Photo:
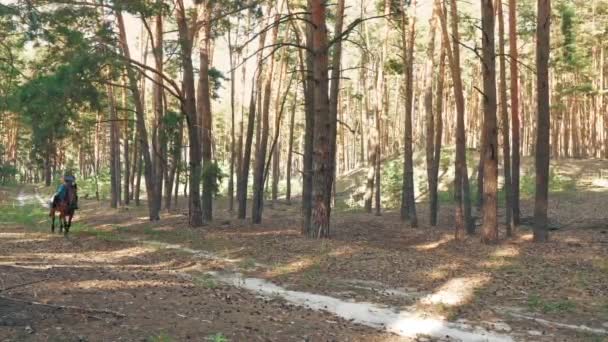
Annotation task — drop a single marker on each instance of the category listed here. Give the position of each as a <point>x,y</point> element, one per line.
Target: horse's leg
<point>67,228</point>
<point>61,221</point>
<point>52,220</point>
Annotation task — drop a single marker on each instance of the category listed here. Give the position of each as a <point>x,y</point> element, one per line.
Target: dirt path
<point>174,284</point>
<point>147,288</point>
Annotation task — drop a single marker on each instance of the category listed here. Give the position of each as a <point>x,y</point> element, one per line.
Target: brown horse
<point>65,208</point>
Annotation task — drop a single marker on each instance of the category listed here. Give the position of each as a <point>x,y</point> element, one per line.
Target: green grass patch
<point>30,216</point>
<point>218,337</point>
<point>161,337</point>
<point>247,264</point>
<point>539,304</point>
<point>205,281</point>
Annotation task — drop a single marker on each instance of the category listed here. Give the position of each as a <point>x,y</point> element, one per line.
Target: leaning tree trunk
<point>543,25</point>
<point>195,216</point>
<point>141,124</point>
<point>260,158</point>
<point>246,162</point>
<point>490,150</point>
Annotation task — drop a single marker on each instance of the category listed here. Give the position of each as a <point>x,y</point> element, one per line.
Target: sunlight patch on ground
<point>403,323</point>
<point>456,291</point>
<point>525,237</point>
<point>432,245</point>
<point>600,183</point>
<point>96,256</point>
<point>265,233</point>
<point>292,267</point>
<point>121,284</point>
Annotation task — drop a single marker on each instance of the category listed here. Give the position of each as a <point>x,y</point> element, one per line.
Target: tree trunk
<point>514,110</point>
<point>141,124</point>
<point>408,202</point>
<point>543,24</point>
<point>232,128</point>
<point>490,154</point>
<point>260,159</point>
<point>504,114</point>
<point>430,118</point>
<point>186,37</point>
<point>438,135</point>
<point>158,134</point>
<point>114,151</point>
<point>322,172</point>
<point>309,133</point>
<point>463,204</point>
<point>204,112</point>
<point>246,162</point>
<point>290,151</point>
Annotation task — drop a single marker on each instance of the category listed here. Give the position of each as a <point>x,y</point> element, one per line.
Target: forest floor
<point>163,281</point>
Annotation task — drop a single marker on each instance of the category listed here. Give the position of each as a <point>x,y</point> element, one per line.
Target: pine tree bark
<point>260,158</point>
<point>334,94</point>
<point>490,160</point>
<point>186,39</point>
<point>232,123</point>
<point>141,124</point>
<point>543,26</point>
<point>320,223</point>
<point>290,151</point>
<point>114,151</point>
<point>514,79</point>
<point>158,140</point>
<point>430,118</point>
<point>408,202</point>
<point>463,203</point>
<point>504,114</point>
<point>246,162</point>
<point>204,111</point>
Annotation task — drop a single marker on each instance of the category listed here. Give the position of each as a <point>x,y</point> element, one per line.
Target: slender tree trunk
<point>158,134</point>
<point>490,160</point>
<point>408,202</point>
<point>204,112</point>
<point>260,159</point>
<point>438,136</point>
<point>309,134</point>
<point>126,136</point>
<point>334,94</point>
<point>543,24</point>
<point>513,57</point>
<point>114,172</point>
<point>463,204</point>
<point>290,151</point>
<point>504,114</point>
<point>322,172</point>
<point>430,119</point>
<point>244,178</point>
<point>141,124</point>
<point>232,128</point>
<point>186,35</point>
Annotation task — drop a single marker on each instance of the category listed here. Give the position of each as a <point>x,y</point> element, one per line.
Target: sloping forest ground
<point>155,274</point>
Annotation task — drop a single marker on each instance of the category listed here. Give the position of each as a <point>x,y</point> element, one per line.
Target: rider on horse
<point>67,184</point>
